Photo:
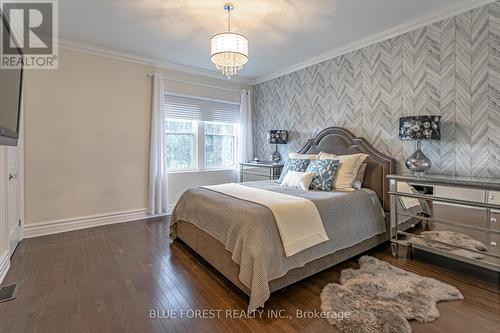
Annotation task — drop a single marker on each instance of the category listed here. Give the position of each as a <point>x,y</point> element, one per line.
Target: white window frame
<point>195,134</point>
<point>236,135</point>
<point>199,148</point>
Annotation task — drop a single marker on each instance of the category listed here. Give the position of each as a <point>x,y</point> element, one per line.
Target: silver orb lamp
<point>277,137</point>
<point>419,128</point>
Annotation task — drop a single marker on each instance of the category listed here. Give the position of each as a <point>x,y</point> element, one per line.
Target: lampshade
<point>420,128</point>
<point>229,52</point>
<point>277,137</point>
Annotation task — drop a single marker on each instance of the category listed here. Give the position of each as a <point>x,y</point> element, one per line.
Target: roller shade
<point>200,108</point>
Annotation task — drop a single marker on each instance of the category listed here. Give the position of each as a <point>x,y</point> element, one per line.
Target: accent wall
<point>449,68</point>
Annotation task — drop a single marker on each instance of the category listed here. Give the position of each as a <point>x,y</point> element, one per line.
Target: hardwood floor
<point>107,279</point>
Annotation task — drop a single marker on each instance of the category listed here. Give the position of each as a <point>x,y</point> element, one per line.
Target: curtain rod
<point>196,83</point>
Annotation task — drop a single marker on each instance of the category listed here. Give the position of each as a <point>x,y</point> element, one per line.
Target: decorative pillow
<point>347,170</point>
<point>324,171</point>
<point>300,180</point>
<point>293,165</point>
<point>358,182</point>
<point>298,156</point>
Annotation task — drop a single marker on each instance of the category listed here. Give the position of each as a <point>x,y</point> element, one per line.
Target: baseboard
<point>76,223</point>
<point>4,265</point>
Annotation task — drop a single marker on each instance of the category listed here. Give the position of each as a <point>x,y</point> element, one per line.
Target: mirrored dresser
<point>450,217</point>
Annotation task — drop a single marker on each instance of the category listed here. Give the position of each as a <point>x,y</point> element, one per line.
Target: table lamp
<point>277,137</point>
<point>419,128</point>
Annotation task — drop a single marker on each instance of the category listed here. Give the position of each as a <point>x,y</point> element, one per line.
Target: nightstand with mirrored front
<point>255,171</point>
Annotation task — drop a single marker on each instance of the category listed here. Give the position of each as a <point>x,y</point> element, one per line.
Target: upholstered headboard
<point>339,141</point>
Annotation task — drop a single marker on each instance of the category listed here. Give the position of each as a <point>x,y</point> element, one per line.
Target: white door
<point>13,198</point>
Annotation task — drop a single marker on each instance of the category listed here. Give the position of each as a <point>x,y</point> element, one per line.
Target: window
<point>220,145</point>
<point>180,144</point>
<point>200,133</point>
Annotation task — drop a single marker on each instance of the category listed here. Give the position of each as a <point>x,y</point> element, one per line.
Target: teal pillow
<point>293,165</point>
<point>325,173</point>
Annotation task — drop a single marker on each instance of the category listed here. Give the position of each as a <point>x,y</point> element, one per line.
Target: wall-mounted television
<point>11,82</point>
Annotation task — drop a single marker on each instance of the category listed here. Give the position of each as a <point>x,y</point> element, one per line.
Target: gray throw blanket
<point>249,232</point>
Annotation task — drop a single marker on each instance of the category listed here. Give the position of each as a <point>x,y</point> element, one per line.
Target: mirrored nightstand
<point>255,171</point>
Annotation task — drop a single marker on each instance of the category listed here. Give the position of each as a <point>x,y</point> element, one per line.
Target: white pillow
<point>300,180</point>
<point>347,170</point>
<point>298,156</point>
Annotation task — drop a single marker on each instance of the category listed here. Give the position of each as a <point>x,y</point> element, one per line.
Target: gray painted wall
<point>450,68</point>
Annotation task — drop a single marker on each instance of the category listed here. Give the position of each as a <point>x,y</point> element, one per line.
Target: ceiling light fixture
<point>229,50</point>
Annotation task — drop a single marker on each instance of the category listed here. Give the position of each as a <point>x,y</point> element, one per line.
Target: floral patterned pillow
<point>293,165</point>
<point>325,173</point>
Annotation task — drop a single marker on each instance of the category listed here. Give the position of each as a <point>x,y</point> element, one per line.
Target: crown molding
<point>356,45</point>
<point>134,58</point>
<point>375,38</point>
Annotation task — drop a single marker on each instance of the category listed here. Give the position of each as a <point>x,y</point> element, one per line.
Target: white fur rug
<point>382,298</point>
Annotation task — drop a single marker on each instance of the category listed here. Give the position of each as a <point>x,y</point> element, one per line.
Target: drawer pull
<point>493,220</point>
<point>493,243</point>
<point>492,197</point>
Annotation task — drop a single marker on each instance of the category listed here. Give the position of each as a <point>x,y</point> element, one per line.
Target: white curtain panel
<point>157,199</point>
<point>246,135</point>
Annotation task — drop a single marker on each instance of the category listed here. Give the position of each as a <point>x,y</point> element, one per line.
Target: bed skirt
<point>214,252</point>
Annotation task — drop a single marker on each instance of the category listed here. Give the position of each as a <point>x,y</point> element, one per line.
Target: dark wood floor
<point>107,279</point>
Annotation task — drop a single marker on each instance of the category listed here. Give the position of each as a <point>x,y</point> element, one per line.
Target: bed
<point>240,239</point>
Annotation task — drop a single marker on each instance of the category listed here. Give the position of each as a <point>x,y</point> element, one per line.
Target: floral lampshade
<point>420,128</point>
<point>277,137</point>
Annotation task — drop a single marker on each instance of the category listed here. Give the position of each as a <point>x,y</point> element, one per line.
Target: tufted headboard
<point>339,141</point>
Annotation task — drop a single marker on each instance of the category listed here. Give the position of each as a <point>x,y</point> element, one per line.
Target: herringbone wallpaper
<point>450,68</point>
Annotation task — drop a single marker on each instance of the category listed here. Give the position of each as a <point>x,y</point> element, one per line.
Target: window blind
<point>200,108</point>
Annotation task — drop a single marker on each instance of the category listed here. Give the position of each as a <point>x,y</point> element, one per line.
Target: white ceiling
<point>281,33</point>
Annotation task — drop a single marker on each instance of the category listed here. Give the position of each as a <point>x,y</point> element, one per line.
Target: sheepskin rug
<point>379,297</point>
<point>450,237</point>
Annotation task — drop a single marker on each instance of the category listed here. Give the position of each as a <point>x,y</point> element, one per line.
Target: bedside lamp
<point>418,128</point>
<point>277,137</point>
